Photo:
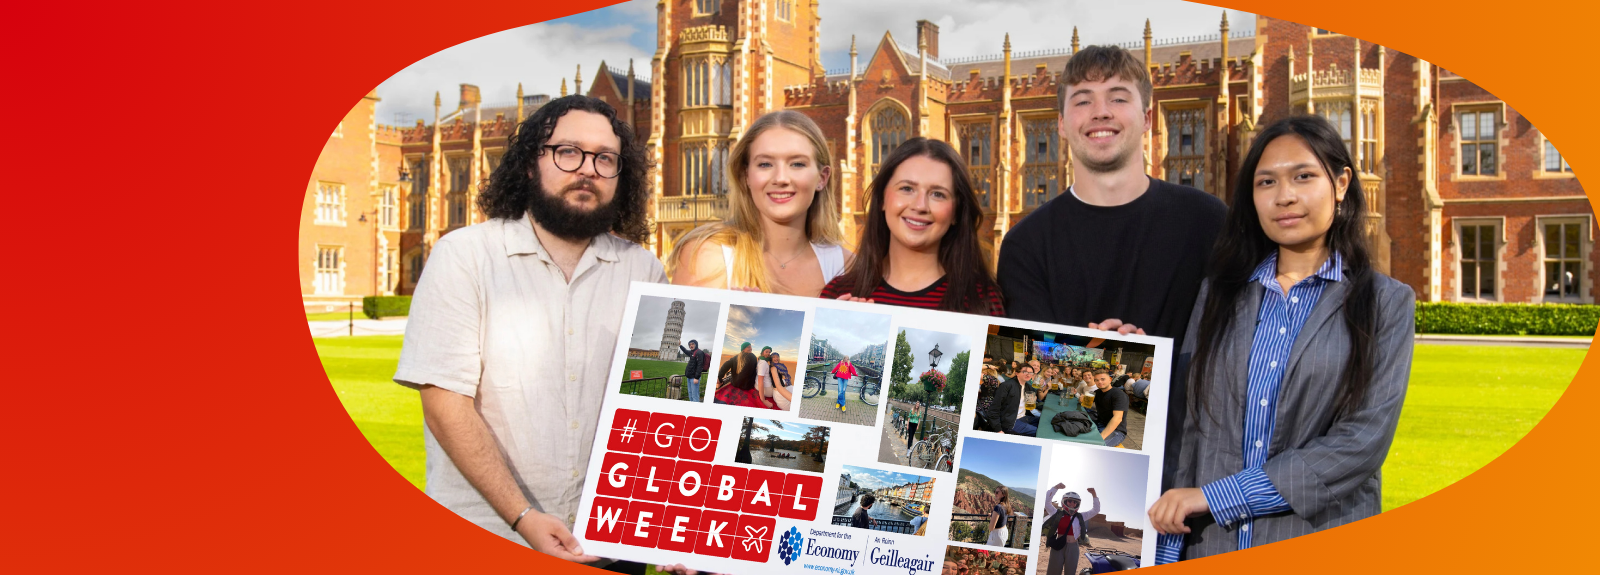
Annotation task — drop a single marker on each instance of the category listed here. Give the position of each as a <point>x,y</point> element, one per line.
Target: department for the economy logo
<point>789,545</point>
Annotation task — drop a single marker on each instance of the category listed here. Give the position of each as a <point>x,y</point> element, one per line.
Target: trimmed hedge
<point>1507,318</point>
<point>379,307</point>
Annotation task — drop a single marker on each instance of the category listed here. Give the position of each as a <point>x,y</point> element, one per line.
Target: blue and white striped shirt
<point>1236,499</point>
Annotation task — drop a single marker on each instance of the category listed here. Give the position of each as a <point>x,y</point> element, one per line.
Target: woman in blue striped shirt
<point>1298,355</point>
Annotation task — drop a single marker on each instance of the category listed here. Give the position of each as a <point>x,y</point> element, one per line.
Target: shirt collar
<point>521,240</point>
<point>1266,274</point>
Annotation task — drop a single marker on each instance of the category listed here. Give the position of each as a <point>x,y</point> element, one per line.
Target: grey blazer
<point>1327,468</point>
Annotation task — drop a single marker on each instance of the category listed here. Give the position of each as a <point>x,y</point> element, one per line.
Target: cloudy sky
<point>1014,465</point>
<point>922,342</point>
<point>870,478</point>
<point>784,429</point>
<point>849,331</point>
<point>541,55</point>
<point>779,328</point>
<point>1118,477</point>
<point>699,322</point>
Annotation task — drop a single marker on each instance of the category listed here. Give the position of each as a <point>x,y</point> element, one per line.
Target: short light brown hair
<point>1099,63</point>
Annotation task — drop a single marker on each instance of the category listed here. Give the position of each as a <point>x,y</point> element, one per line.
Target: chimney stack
<point>469,96</point>
<point>929,32</point>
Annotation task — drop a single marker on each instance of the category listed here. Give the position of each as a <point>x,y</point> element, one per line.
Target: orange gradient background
<point>165,406</point>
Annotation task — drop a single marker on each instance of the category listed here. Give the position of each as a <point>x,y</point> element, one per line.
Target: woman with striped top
<point>920,246</point>
<point>1299,354</point>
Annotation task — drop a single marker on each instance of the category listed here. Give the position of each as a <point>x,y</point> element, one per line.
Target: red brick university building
<point>1467,199</point>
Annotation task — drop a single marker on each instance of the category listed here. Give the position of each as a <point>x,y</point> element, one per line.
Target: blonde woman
<point>781,234</point>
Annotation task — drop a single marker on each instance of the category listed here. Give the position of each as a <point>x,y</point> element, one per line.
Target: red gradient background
<point>166,408</point>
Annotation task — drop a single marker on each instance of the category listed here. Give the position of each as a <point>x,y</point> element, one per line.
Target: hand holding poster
<point>897,451</point>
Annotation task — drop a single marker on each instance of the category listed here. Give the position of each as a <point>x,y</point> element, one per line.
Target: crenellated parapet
<point>1188,70</point>
<point>707,33</point>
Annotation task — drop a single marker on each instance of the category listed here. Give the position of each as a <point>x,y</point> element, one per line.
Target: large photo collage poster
<point>744,428</point>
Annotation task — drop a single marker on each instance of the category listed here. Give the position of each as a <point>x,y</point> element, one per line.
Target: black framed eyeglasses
<point>570,158</point>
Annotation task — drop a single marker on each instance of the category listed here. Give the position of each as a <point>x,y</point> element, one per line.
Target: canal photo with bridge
<point>849,346</point>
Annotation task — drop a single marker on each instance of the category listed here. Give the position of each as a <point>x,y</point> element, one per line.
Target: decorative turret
<point>1147,46</point>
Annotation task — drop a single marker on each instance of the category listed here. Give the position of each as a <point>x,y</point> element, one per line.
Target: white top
<point>494,318</point>
<point>762,371</point>
<point>829,258</point>
<point>1022,402</point>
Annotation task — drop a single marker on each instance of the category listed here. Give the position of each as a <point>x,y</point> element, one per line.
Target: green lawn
<point>332,316</point>
<point>1466,405</point>
<point>653,368</point>
<point>362,371</point>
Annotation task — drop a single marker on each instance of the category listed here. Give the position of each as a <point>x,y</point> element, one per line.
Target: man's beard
<point>1116,162</point>
<point>556,217</point>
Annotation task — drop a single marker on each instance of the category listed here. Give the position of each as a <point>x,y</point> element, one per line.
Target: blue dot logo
<point>789,545</point>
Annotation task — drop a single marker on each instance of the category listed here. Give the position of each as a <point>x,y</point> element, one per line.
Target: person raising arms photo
<point>782,230</point>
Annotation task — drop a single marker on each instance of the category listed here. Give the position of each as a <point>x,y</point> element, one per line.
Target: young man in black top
<point>699,363</point>
<point>1121,251</point>
<point>1111,409</point>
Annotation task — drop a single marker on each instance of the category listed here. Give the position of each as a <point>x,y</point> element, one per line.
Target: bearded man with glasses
<point>514,321</point>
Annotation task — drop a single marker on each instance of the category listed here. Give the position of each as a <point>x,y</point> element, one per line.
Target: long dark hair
<point>508,192</point>
<point>967,271</point>
<point>1243,245</point>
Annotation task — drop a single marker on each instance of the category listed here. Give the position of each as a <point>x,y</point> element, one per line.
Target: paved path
<point>826,407</point>
<point>1573,343</point>
<point>363,326</point>
<point>892,447</point>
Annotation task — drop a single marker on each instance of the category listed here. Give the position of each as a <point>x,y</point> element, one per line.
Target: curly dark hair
<point>506,194</point>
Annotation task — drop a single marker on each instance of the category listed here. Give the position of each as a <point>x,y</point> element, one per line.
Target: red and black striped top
<point>925,298</point>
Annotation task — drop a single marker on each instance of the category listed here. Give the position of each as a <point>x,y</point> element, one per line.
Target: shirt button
<point>1273,364</point>
<point>572,377</point>
<point>1245,528</point>
<point>572,518</point>
<point>1283,330</point>
<point>1295,299</point>
<point>573,425</point>
<point>1258,445</point>
<point>575,472</point>
<point>1263,402</point>
<point>1241,517</point>
<point>569,331</point>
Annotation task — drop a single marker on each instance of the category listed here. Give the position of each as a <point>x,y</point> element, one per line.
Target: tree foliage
<point>900,373</point>
<point>956,384</point>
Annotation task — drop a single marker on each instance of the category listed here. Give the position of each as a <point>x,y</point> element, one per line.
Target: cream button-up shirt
<point>494,318</point>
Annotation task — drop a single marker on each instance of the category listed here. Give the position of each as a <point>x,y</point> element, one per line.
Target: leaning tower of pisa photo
<point>672,333</point>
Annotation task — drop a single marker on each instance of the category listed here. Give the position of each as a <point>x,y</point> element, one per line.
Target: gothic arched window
<point>889,129</point>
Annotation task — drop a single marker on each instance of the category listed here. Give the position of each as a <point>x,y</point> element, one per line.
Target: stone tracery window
<point>1041,160</point>
<point>1185,162</point>
<point>976,139</point>
<point>889,129</point>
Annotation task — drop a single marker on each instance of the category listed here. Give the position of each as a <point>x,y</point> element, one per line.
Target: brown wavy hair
<point>967,270</point>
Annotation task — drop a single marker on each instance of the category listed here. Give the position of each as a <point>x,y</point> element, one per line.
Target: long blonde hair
<point>741,230</point>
